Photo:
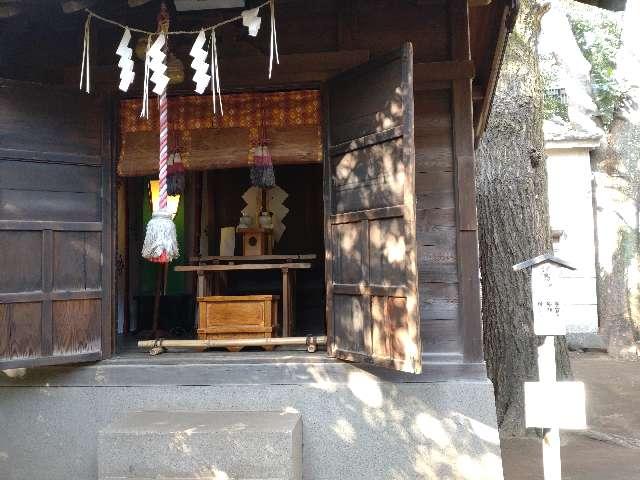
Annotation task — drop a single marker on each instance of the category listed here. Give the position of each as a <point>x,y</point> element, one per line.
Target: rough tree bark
<point>514,220</point>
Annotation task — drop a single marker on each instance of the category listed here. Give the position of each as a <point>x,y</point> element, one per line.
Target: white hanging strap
<point>274,38</point>
<point>145,86</point>
<point>86,57</point>
<point>215,74</point>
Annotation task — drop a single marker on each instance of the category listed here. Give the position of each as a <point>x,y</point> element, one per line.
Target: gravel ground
<point>610,449</point>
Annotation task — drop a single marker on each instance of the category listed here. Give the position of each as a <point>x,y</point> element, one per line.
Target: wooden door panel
<point>76,261</point>
<point>26,275</point>
<point>372,293</point>
<point>20,330</point>
<point>55,200</point>
<point>75,331</point>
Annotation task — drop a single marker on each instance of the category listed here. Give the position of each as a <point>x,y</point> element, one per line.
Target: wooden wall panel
<point>27,110</point>
<point>24,275</point>
<point>49,206</point>
<point>436,222</point>
<point>351,337</point>
<point>55,226</point>
<point>76,327</point>
<point>369,178</point>
<point>44,176</point>
<point>383,104</point>
<point>20,330</point>
<point>76,261</point>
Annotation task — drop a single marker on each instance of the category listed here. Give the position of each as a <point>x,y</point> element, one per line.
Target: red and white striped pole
<point>164,135</point>
<point>163,26</point>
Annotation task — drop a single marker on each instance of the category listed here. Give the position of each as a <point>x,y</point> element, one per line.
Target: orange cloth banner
<point>277,111</point>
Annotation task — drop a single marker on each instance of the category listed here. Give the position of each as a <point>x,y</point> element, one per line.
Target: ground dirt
<point>610,449</point>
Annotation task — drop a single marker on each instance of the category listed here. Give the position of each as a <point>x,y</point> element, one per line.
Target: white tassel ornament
<point>160,240</point>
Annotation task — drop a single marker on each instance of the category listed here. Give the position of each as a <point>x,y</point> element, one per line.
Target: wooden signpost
<point>549,404</point>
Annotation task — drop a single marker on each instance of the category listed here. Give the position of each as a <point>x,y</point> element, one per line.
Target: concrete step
<point>211,445</point>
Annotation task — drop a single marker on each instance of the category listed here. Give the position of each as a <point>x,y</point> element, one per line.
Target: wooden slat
<point>49,177</point>
<point>372,214</point>
<point>252,258</point>
<point>252,266</point>
<point>376,290</point>
<point>366,141</point>
<point>50,225</point>
<point>47,286</point>
<point>58,157</point>
<point>49,206</point>
<point>51,360</point>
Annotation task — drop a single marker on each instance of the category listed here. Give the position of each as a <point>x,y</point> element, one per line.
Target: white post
<point>551,439</point>
<point>550,404</point>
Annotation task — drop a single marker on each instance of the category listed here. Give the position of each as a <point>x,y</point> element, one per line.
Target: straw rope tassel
<point>85,69</point>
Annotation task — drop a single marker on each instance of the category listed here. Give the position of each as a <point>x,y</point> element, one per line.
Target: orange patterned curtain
<point>292,121</point>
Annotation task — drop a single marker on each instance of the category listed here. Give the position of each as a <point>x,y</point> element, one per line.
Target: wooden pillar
<point>470,326</point>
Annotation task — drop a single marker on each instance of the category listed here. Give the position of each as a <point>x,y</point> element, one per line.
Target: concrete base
<point>358,423</point>
<point>202,445</point>
<point>584,340</point>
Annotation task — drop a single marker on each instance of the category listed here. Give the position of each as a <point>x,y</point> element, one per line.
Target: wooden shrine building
<point>371,114</point>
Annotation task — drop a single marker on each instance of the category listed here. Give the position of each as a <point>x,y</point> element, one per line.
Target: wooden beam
<point>438,71</point>
<point>247,72</point>
<point>496,62</point>
<point>470,320</point>
<point>251,266</point>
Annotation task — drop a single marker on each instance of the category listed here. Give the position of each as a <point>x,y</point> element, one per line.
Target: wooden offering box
<point>247,316</point>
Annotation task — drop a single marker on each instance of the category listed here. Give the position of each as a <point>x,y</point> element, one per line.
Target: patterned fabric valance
<point>292,121</point>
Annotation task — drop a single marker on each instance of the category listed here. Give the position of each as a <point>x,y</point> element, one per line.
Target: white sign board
<point>555,405</point>
<point>547,319</point>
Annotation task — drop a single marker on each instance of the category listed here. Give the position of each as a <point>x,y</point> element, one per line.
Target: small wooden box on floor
<point>246,316</point>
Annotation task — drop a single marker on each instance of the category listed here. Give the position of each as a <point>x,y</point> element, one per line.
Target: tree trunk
<point>616,166</point>
<point>514,220</point>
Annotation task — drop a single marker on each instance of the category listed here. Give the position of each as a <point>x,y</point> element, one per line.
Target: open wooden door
<point>55,226</point>
<point>371,258</point>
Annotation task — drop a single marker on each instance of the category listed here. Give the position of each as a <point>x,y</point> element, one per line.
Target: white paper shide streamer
<point>215,74</point>
<point>157,65</point>
<point>199,63</point>
<point>126,62</point>
<point>252,21</point>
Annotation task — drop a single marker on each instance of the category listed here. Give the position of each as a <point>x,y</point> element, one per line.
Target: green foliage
<point>599,38</point>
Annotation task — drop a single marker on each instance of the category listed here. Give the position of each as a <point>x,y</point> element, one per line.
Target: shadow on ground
<point>613,415</point>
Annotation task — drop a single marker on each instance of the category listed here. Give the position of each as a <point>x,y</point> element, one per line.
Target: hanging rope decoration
<point>160,241</point>
<point>155,62</point>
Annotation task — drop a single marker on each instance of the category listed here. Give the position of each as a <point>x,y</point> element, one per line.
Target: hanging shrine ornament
<point>199,63</point>
<point>157,64</point>
<point>126,62</point>
<point>156,60</point>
